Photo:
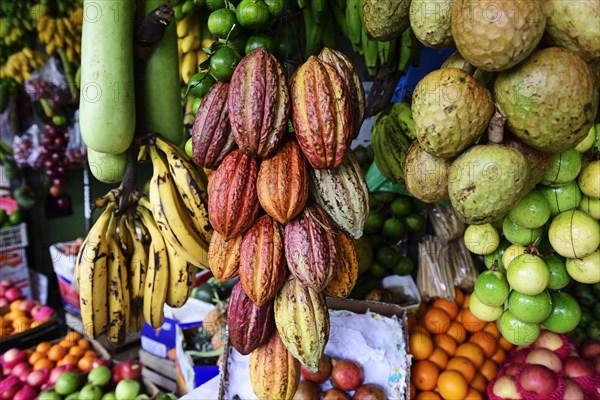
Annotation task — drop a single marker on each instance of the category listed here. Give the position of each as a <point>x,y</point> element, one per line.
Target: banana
<point>383,49</point>
<point>138,263</point>
<point>157,275</point>
<point>186,43</point>
<point>192,185</point>
<point>409,50</point>
<point>185,25</point>
<point>189,66</point>
<point>171,215</point>
<point>370,52</point>
<point>354,21</point>
<point>91,270</point>
<point>317,7</point>
<point>60,27</point>
<point>118,287</point>
<point>180,278</point>
<point>125,239</point>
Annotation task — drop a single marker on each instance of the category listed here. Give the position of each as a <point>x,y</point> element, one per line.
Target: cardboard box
<point>355,306</point>
<point>64,267</point>
<point>404,286</point>
<point>193,375</point>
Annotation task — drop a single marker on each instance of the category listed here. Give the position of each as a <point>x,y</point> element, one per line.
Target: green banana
<point>403,115</point>
<point>383,50</point>
<point>354,22</point>
<point>409,50</point>
<point>370,52</point>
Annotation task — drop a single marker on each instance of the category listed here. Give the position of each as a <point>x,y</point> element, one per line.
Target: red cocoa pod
<point>345,272</point>
<point>212,138</point>
<point>232,199</point>
<point>224,256</point>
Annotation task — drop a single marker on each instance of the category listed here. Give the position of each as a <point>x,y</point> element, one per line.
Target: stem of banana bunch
<point>129,181</point>
<point>68,72</point>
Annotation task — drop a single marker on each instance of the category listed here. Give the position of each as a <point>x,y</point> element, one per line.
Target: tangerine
<point>77,351</point>
<point>90,353</point>
<point>489,369</point>
<point>83,344</point>
<point>457,332</point>
<point>452,385</point>
<point>73,336</point>
<point>56,352</point>
<point>446,343</point>
<point>35,356</point>
<point>43,363</point>
<point>85,363</point>
<point>428,395</point>
<point>436,320</point>
<point>479,383</point>
<point>439,357</point>
<point>424,375</point>
<point>448,306</point>
<point>470,321</point>
<point>486,341</point>
<point>420,345</point>
<point>473,395</point>
<point>43,347</point>
<point>69,359</point>
<point>466,301</point>
<point>473,352</point>
<point>459,297</point>
<point>493,330</point>
<point>67,344</point>
<point>505,344</point>
<point>464,366</point>
<point>499,356</point>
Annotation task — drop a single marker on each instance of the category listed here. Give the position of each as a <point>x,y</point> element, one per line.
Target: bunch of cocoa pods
<point>285,205</point>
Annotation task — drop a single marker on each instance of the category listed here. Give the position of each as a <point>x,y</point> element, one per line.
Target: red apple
<point>538,379</point>
<point>369,392</point>
<point>590,349</point>
<point>506,388</point>
<point>549,340</point>
<point>576,367</point>
<point>321,375</point>
<point>545,357</point>
<point>307,390</point>
<point>336,394</point>
<point>572,391</point>
<point>346,374</point>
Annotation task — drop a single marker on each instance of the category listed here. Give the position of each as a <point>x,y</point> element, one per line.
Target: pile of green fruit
<point>551,236</point>
<point>7,220</point>
<point>588,297</point>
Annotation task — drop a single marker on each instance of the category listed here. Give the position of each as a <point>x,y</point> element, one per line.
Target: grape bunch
<point>22,150</point>
<point>54,159</point>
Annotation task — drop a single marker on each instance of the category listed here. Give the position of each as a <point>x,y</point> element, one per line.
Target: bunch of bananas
<point>183,8</point>
<point>192,37</point>
<point>319,28</point>
<point>62,33</point>
<point>18,19</point>
<point>133,263</point>
<point>21,64</point>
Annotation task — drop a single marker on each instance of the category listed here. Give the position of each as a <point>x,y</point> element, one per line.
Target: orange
<point>413,390</point>
<point>489,369</point>
<point>487,342</point>
<point>67,344</point>
<point>420,345</point>
<point>84,344</point>
<point>85,363</point>
<point>505,344</point>
<point>420,328</point>
<point>436,320</point>
<point>466,301</point>
<point>5,330</point>
<point>464,366</point>
<point>19,327</point>
<point>471,322</point>
<point>499,356</point>
<point>457,332</point>
<point>43,363</point>
<point>479,383</point>
<point>14,305</point>
<point>69,359</point>
<point>472,352</point>
<point>56,352</point>
<point>493,330</point>
<point>459,297</point>
<point>76,351</point>
<point>448,306</point>
<point>428,395</point>
<point>446,343</point>
<point>473,395</point>
<point>90,353</point>
<point>439,357</point>
<point>411,321</point>
<point>424,375</point>
<point>11,316</point>
<point>43,347</point>
<point>73,336</point>
<point>35,356</point>
<point>26,321</point>
<point>452,385</point>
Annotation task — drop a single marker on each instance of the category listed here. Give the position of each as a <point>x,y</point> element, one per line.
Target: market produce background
<point>420,154</point>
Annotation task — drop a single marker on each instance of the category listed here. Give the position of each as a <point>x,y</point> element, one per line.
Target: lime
<point>258,40</point>
<point>565,314</point>
<point>276,7</point>
<point>223,63</point>
<point>414,222</point>
<point>189,148</point>
<point>585,295</point>
<point>419,205</point>
<point>484,312</point>
<point>492,288</point>
<point>67,383</point>
<point>517,234</point>
<point>200,83</point>
<point>393,228</point>
<point>3,216</point>
<point>239,42</point>
<point>15,217</point>
<point>196,105</point>
<point>578,335</point>
<point>528,274</point>
<point>253,14</point>
<point>374,222</point>
<point>401,206</point>
<point>383,197</point>
<point>532,211</point>
<point>496,256</point>
<point>376,270</point>
<point>481,239</point>
<point>593,330</point>
<point>221,22</point>
<point>215,4</point>
<point>387,257</point>
<point>532,309</point>
<point>516,331</point>
<point>376,241</point>
<point>364,254</point>
<point>404,266</point>
<point>559,277</point>
<point>586,318</point>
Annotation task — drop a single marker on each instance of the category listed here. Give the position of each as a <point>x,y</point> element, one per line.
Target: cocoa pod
<point>274,372</point>
<point>302,320</point>
<point>262,261</point>
<point>310,247</point>
<point>283,182</point>
<point>356,90</point>
<point>321,116</point>
<point>224,256</point>
<point>249,325</point>
<point>343,194</point>
<point>345,272</point>
<point>212,138</point>
<point>232,199</point>
<point>259,103</point>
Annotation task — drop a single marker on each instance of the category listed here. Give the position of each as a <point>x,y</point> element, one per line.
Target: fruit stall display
<point>18,314</point>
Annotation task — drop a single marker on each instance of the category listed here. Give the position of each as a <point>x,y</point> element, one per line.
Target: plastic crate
<point>13,238</point>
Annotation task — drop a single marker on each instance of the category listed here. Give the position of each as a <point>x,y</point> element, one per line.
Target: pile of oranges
<point>17,321</point>
<point>72,350</point>
<point>455,354</point>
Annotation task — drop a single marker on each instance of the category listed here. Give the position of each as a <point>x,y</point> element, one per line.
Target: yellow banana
<point>185,25</point>
<point>180,278</point>
<point>186,44</point>
<point>201,56</point>
<point>91,270</point>
<point>69,26</point>
<point>28,53</point>
<point>188,66</point>
<point>60,27</point>
<point>118,287</point>
<point>137,271</point>
<point>157,275</point>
